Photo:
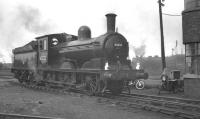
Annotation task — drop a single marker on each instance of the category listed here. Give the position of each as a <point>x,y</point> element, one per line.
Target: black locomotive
<point>67,61</point>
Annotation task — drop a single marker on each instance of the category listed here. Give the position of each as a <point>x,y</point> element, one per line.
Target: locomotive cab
<point>48,48</point>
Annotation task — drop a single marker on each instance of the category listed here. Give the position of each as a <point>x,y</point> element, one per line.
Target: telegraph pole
<point>160,3</point>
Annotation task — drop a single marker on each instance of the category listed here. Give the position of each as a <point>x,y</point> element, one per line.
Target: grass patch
<point>5,73</point>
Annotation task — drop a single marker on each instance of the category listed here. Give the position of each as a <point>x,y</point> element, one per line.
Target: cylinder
<point>111,22</point>
<point>191,39</point>
<point>190,21</point>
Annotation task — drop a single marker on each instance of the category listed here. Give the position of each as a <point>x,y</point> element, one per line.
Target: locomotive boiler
<point>67,60</point>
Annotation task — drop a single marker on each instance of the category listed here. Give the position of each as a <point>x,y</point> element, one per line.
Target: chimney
<point>110,22</point>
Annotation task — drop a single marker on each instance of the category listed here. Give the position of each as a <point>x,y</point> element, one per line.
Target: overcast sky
<point>137,20</point>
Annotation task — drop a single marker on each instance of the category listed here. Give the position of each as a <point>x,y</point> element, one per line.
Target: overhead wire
<point>174,15</point>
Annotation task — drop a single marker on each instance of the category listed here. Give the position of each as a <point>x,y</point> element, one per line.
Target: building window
<point>192,58</point>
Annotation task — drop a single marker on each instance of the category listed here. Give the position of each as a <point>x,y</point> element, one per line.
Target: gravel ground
<point>16,99</point>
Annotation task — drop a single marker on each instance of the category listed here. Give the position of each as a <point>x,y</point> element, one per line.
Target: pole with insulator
<point>160,3</point>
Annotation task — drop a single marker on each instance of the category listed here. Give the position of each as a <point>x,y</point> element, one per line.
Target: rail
<point>19,116</point>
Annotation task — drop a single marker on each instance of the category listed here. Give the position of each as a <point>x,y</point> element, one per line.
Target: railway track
<point>178,107</point>
<point>174,108</point>
<point>189,101</point>
<point>176,103</point>
<point>18,116</point>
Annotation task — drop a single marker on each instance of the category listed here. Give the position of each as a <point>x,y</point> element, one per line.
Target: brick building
<point>191,40</point>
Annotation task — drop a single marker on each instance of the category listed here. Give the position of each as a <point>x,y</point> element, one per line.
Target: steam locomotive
<point>69,61</point>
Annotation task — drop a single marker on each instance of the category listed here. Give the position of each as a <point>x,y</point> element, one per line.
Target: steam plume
<point>31,20</point>
<point>19,25</point>
<point>140,51</point>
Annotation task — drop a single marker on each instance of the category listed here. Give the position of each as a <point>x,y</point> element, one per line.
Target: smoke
<point>31,20</point>
<point>19,25</point>
<point>140,51</point>
<point>1,58</point>
<point>141,21</point>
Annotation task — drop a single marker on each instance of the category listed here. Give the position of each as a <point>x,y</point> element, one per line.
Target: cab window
<point>43,44</point>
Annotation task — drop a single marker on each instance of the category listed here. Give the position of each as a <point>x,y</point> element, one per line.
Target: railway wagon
<point>70,61</point>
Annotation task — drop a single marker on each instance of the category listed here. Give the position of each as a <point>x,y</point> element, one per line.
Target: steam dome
<point>84,32</point>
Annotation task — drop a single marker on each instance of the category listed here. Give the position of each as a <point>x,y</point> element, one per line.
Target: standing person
<point>164,75</point>
<point>164,79</point>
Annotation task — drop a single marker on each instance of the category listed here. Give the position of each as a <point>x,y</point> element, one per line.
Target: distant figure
<point>164,76</point>
<point>119,67</point>
<point>138,66</point>
<point>164,80</point>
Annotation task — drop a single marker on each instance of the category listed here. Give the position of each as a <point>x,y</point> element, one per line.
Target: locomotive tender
<point>67,61</point>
